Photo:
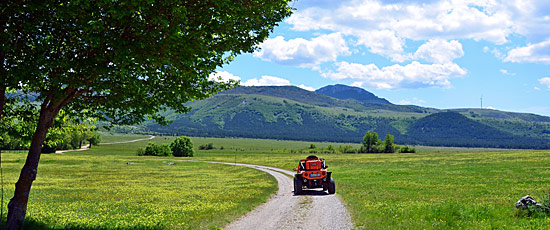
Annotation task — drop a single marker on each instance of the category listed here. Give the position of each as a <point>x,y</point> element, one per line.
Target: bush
<point>208,146</point>
<point>347,149</point>
<point>182,147</point>
<point>407,149</point>
<point>154,150</point>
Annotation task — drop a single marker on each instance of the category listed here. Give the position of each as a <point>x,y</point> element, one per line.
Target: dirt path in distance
<point>314,210</point>
<point>85,147</point>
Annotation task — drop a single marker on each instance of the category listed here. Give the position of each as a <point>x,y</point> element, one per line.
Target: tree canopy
<point>121,61</point>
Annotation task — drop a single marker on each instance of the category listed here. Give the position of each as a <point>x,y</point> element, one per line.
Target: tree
<point>370,142</point>
<point>182,147</point>
<point>93,139</point>
<point>121,61</point>
<point>389,147</point>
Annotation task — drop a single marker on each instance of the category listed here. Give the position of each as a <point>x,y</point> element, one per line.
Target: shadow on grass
<point>35,225</point>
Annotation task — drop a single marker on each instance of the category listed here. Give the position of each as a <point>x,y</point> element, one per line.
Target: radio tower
<point>481,101</point>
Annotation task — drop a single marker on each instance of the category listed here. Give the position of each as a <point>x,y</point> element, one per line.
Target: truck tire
<point>297,186</point>
<point>331,186</point>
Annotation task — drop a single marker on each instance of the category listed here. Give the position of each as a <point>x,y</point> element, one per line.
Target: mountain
<point>349,92</point>
<point>288,112</point>
<point>454,129</point>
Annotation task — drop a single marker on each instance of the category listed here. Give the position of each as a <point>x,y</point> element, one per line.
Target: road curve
<point>314,210</point>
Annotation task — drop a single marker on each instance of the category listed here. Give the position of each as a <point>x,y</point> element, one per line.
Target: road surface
<point>314,210</point>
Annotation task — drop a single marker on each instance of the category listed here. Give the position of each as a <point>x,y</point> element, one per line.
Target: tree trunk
<point>2,100</point>
<point>17,206</point>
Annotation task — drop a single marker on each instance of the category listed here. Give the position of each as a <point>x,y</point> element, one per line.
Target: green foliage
<point>64,52</point>
<point>208,146</point>
<point>182,147</point>
<point>370,142</point>
<point>347,149</point>
<point>455,129</point>
<point>407,149</point>
<point>331,149</point>
<point>153,149</point>
<point>312,146</point>
<point>94,139</point>
<point>389,147</point>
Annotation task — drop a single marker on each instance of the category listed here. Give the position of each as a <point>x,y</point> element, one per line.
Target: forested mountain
<point>288,112</point>
<point>350,92</point>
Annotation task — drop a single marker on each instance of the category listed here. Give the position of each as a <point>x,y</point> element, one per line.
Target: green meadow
<point>437,188</point>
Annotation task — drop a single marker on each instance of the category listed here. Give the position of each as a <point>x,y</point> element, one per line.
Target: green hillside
<point>287,112</point>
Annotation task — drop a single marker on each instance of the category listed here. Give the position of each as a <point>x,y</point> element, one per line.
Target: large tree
<point>122,61</point>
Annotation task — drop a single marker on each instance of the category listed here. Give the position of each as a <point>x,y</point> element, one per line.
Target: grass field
<point>438,188</point>
<point>87,190</point>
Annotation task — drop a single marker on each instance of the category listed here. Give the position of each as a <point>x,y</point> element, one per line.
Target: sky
<point>440,54</point>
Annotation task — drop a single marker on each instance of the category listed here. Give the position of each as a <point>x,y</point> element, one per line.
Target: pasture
<point>438,188</point>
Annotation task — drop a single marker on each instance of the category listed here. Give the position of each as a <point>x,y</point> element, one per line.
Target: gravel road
<point>314,210</point>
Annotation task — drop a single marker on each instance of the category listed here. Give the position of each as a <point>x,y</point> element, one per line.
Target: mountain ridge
<point>288,112</point>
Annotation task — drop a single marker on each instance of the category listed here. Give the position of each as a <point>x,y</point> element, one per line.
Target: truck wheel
<point>331,186</point>
<point>297,186</point>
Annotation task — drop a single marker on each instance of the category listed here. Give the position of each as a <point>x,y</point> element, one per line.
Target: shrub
<point>347,149</point>
<point>154,150</point>
<point>208,146</point>
<point>182,147</point>
<point>407,149</point>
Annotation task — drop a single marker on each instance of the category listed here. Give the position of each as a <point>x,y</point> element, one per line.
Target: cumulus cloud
<point>545,81</point>
<point>384,26</point>
<point>223,76</point>
<point>413,75</point>
<point>306,87</point>
<point>267,81</point>
<point>301,52</point>
<point>534,53</point>
<point>439,51</point>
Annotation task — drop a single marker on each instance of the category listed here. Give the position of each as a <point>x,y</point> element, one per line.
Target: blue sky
<point>441,54</point>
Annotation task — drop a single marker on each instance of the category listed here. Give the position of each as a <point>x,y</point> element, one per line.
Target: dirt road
<point>314,210</point>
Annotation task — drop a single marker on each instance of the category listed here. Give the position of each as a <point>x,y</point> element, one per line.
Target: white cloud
<point>545,81</point>
<point>303,53</point>
<point>223,76</point>
<point>306,87</point>
<point>439,51</point>
<point>490,107</point>
<point>413,101</point>
<point>267,81</point>
<point>384,26</point>
<point>534,53</point>
<point>505,72</point>
<point>413,75</point>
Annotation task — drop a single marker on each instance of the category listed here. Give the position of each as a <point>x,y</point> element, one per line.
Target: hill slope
<point>287,112</point>
<point>350,92</point>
